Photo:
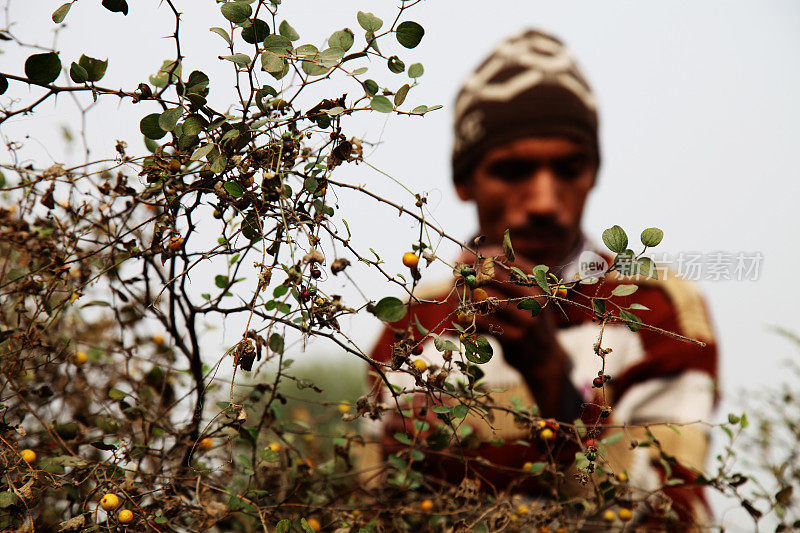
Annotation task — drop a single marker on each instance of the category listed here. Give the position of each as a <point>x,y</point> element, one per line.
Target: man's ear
<point>464,190</point>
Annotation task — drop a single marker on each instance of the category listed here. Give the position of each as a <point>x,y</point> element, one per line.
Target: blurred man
<point>526,152</point>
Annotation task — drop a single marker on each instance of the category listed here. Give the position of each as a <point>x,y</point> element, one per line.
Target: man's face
<point>536,187</point>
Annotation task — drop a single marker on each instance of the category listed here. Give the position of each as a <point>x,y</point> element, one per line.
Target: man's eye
<point>570,168</point>
<point>512,169</point>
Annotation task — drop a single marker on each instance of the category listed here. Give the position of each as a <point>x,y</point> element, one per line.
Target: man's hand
<point>529,343</point>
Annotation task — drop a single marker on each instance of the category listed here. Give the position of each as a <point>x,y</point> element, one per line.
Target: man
<point>526,152</point>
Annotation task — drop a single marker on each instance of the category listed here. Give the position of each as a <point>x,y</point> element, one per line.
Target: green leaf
<point>537,468</point>
<point>270,62</point>
<point>168,73</point>
<point>530,304</point>
<point>508,250</point>
<point>243,60</point>
<point>7,499</point>
<point>409,33</point>
<point>312,66</point>
<point>219,164</point>
<point>117,395</point>
<point>283,526</point>
<point>646,267</point>
<point>279,291</point>
<point>310,184</point>
<point>744,422</point>
<point>306,528</point>
<point>599,306</point>
<point>633,322</point>
<point>460,411</point>
<point>403,438</point>
<point>540,276</point>
<point>369,22</point>
<point>276,343</point>
<point>615,238</point>
<point>169,118</point>
<point>342,39</point>
<point>278,44</point>
<point>381,103</point>
<point>222,33</point>
<point>478,351</point>
<point>652,236</point>
<point>193,125</point>
<point>150,128</point>
<point>256,32</point>
<point>416,70</point>
<point>330,57</point>
<point>396,65</point>
<point>116,6</point>
<point>624,290</point>
<point>77,73</point>
<point>420,110</point>
<point>390,309</point>
<point>287,31</point>
<point>95,68</point>
<point>234,189</point>
<point>221,281</point>
<point>60,14</point>
<point>639,306</point>
<point>400,95</point>
<point>371,87</point>
<point>201,152</point>
<point>612,440</point>
<point>43,68</point>
<point>236,12</point>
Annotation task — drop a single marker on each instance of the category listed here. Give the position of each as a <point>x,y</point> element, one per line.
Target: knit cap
<point>530,86</point>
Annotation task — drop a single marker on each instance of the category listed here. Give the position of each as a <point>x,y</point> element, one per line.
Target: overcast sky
<point>700,129</point>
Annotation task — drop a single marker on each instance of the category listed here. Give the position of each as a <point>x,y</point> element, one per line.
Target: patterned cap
<point>529,86</point>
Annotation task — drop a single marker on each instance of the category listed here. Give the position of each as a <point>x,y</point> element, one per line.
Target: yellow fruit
<point>479,295</point>
<point>513,517</point>
<point>314,524</point>
<point>421,365</point>
<point>81,358</point>
<point>622,477</point>
<point>547,434</point>
<point>560,291</point>
<point>29,456</point>
<point>158,339</point>
<point>275,447</point>
<point>109,502</point>
<point>625,514</point>
<point>175,243</point>
<point>344,407</point>
<point>465,319</point>
<point>609,516</point>
<point>527,465</point>
<point>125,516</point>
<point>426,506</point>
<point>523,509</point>
<point>410,259</point>
<point>206,444</point>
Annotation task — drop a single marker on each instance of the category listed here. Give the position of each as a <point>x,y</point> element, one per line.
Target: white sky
<point>700,129</point>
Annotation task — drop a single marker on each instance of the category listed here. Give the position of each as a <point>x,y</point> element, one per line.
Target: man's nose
<point>541,193</point>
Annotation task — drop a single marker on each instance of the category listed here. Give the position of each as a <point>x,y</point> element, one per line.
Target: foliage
<point>108,373</point>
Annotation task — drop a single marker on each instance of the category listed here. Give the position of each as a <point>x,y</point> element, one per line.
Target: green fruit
<point>471,281</point>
